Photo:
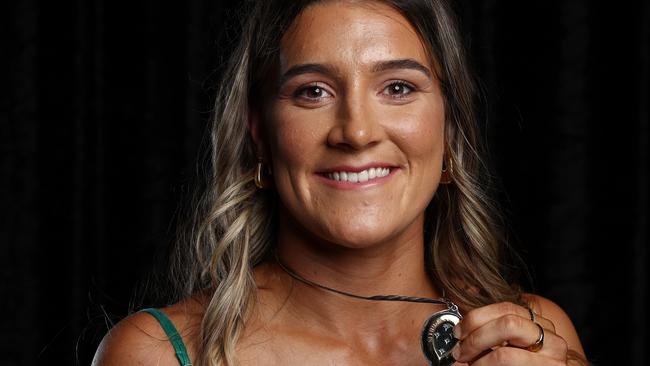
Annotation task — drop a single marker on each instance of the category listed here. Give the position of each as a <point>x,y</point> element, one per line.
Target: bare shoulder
<point>139,339</point>
<point>563,325</point>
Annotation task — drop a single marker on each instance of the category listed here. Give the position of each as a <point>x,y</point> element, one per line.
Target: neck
<point>379,278</point>
<point>396,267</point>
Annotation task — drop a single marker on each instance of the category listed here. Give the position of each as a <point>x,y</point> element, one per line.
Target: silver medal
<point>438,336</point>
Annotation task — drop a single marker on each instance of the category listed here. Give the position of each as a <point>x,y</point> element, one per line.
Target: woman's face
<point>354,130</point>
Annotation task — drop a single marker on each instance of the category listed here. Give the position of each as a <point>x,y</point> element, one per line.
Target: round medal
<point>438,336</point>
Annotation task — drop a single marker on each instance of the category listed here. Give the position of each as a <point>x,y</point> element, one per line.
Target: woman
<point>346,164</point>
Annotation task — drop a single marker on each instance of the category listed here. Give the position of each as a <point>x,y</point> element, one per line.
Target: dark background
<point>104,105</point>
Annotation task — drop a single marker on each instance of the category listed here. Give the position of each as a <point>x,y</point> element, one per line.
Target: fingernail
<point>456,352</point>
<point>457,332</point>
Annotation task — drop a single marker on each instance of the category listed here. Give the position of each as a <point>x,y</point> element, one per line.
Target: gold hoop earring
<point>259,172</point>
<point>447,171</point>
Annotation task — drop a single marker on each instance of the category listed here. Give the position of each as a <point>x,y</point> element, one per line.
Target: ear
<point>256,129</point>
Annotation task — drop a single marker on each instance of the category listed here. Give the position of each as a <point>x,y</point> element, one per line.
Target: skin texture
<point>365,239</point>
<point>354,122</point>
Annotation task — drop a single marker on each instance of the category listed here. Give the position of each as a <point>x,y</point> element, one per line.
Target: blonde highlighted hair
<point>232,221</point>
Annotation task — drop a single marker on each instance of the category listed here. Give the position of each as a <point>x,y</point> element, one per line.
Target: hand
<point>499,334</point>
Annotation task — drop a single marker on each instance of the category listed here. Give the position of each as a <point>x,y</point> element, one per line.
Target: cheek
<point>420,133</point>
<point>296,144</point>
<point>292,137</point>
<point>287,145</point>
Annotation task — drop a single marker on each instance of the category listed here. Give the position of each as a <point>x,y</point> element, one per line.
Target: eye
<point>312,93</point>
<point>399,89</point>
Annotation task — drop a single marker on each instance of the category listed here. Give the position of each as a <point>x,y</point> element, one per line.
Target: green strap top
<point>172,333</point>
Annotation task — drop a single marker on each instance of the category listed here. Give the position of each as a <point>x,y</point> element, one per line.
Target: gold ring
<point>539,343</point>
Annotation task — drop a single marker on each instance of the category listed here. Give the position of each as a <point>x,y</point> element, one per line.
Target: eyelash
<point>402,84</point>
<point>300,92</point>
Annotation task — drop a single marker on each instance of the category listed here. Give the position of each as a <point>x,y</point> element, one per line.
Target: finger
<point>539,319</point>
<point>553,347</point>
<point>545,323</point>
<point>513,329</point>
<point>480,316</point>
<point>509,356</point>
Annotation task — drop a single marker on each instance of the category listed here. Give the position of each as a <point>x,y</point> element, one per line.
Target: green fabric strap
<point>172,333</point>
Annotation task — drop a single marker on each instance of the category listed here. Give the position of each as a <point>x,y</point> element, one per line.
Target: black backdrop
<point>104,105</point>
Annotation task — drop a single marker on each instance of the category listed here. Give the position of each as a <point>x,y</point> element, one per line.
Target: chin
<point>359,236</point>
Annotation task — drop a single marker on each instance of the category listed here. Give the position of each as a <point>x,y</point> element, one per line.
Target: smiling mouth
<point>358,177</point>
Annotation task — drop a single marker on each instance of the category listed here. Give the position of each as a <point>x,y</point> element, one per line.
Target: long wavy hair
<point>232,221</point>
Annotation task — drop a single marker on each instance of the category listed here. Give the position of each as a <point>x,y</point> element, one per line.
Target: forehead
<point>350,33</point>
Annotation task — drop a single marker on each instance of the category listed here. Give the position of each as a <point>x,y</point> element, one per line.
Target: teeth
<point>359,177</point>
<point>363,176</point>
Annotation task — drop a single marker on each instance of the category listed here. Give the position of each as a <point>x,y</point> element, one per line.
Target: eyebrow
<point>325,69</point>
<point>306,69</point>
<point>406,63</point>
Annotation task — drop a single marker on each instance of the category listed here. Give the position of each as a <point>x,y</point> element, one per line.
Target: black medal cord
<point>425,300</point>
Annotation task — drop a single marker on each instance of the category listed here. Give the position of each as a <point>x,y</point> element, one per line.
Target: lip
<point>322,176</point>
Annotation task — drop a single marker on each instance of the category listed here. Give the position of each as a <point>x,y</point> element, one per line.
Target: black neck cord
<point>426,300</point>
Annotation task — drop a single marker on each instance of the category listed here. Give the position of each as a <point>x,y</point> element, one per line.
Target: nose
<point>357,126</point>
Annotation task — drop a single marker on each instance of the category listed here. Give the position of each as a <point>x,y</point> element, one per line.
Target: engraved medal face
<point>438,337</point>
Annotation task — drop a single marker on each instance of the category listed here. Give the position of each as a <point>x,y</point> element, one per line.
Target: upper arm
<point>136,340</point>
<point>563,324</point>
